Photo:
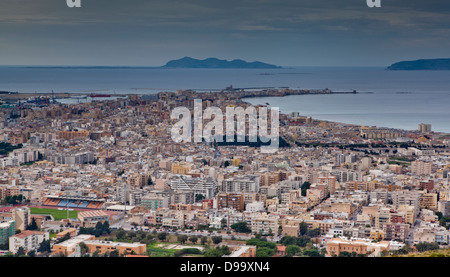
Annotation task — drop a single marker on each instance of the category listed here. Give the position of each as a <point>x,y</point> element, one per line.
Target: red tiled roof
<point>27,233</point>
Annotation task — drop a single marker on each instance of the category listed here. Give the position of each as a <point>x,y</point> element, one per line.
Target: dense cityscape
<point>105,179</point>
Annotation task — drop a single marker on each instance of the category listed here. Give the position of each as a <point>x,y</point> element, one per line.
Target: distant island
<point>424,64</point>
<point>188,62</point>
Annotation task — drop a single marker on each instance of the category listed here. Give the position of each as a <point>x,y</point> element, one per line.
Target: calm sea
<point>397,99</point>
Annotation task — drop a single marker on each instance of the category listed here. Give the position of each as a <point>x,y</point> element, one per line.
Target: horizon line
<point>163,67</point>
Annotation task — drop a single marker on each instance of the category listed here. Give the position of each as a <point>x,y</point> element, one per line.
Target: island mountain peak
<point>188,62</point>
<point>423,64</point>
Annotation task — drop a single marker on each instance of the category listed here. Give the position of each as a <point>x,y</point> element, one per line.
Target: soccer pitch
<point>57,214</point>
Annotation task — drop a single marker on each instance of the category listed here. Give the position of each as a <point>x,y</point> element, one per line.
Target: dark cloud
<point>285,32</point>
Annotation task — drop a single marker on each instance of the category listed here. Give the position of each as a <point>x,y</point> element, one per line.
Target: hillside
<point>433,253</point>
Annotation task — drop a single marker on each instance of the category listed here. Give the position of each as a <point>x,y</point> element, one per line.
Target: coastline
<point>233,93</point>
<point>56,95</point>
<point>356,125</point>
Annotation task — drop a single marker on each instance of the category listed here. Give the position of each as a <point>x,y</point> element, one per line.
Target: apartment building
<point>28,240</point>
<point>428,201</point>
<point>22,217</point>
<point>153,202</point>
<point>7,230</point>
<point>444,208</point>
<point>409,198</point>
<point>247,184</point>
<point>395,231</point>
<point>205,186</point>
<point>420,168</point>
<point>264,224</point>
<point>230,200</point>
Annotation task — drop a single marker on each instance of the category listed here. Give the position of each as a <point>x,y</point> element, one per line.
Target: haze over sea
<point>396,99</point>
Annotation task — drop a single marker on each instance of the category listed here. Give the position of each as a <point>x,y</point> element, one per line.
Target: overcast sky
<point>281,32</point>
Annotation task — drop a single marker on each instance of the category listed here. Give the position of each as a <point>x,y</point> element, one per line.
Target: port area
<point>56,95</point>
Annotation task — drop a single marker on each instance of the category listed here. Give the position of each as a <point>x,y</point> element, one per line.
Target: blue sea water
<point>397,99</point>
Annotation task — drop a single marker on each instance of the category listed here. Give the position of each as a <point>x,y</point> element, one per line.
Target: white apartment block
<point>28,240</point>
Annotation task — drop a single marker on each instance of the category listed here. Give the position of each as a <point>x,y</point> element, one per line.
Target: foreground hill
<point>433,253</point>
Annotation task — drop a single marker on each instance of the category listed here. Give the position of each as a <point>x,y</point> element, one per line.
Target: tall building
<point>444,208</point>
<point>241,184</point>
<point>7,229</point>
<point>22,217</point>
<point>424,128</point>
<point>230,200</point>
<point>428,201</point>
<point>421,168</point>
<point>409,198</point>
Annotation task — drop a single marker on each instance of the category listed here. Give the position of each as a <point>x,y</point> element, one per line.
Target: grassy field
<point>155,251</point>
<point>57,214</point>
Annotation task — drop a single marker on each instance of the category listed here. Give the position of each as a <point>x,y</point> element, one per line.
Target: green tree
<point>223,222</point>
<point>305,187</point>
<point>84,248</point>
<point>213,253</point>
<point>427,246</point>
<point>20,252</point>
<point>114,254</point>
<point>96,253</point>
<point>162,236</point>
<point>193,239</point>
<point>44,247</point>
<point>345,254</point>
<point>106,229</point>
<point>199,197</point>
<point>302,241</point>
<point>288,240</point>
<point>303,228</point>
<point>312,253</point>
<point>66,237</point>
<point>292,250</point>
<point>313,233</point>
<point>216,239</point>
<point>182,238</point>
<point>404,250</point>
<point>33,226</point>
<point>225,250</point>
<point>121,235</point>
<point>204,240</point>
<point>264,252</point>
<point>241,227</point>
